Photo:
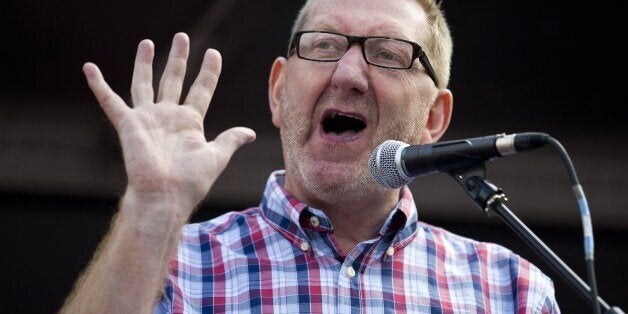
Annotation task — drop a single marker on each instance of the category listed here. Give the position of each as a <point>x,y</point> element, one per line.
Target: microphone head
<point>384,162</point>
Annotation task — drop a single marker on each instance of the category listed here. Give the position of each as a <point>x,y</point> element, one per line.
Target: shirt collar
<point>403,216</point>
<point>289,215</point>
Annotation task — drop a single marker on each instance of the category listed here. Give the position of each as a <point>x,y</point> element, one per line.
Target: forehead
<point>396,18</point>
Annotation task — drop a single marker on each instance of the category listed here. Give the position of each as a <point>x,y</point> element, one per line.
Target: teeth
<point>335,115</point>
<point>341,123</point>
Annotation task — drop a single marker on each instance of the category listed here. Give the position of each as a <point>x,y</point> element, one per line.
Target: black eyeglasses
<point>385,52</point>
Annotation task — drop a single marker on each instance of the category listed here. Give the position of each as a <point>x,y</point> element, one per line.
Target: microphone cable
<point>586,220</point>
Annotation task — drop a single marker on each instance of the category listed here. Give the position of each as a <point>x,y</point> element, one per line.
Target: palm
<point>163,143</point>
<point>164,148</point>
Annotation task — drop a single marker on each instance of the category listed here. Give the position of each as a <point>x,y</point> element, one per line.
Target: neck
<point>352,228</point>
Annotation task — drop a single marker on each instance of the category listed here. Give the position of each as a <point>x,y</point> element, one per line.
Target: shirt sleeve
<point>537,294</point>
<point>164,304</point>
<point>550,305</point>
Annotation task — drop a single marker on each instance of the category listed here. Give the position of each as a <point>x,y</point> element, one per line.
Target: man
<point>326,237</point>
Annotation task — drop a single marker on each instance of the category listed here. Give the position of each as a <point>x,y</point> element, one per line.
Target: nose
<point>351,73</point>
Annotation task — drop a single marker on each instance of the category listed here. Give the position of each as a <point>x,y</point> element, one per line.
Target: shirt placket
<point>348,288</point>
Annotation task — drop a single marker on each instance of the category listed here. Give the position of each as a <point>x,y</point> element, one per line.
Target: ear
<point>276,83</point>
<point>439,116</point>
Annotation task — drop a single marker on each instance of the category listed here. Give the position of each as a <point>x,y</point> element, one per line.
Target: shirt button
<point>390,251</point>
<point>305,246</point>
<point>314,221</point>
<point>350,272</point>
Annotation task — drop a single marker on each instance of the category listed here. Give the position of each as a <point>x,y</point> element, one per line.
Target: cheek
<point>407,121</point>
<point>296,112</point>
<point>307,83</point>
<point>404,115</point>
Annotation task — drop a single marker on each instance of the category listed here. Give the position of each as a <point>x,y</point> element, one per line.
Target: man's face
<point>332,115</point>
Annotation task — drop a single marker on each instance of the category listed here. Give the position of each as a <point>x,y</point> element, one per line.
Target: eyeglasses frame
<point>417,51</point>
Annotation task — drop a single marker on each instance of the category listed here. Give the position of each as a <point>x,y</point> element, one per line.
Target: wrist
<point>155,211</point>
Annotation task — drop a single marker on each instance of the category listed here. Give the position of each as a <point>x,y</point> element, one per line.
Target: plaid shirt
<point>281,257</point>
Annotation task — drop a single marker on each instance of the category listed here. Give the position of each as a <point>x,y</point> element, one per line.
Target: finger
<point>232,139</point>
<point>203,88</point>
<point>171,81</point>
<point>142,84</point>
<point>113,106</point>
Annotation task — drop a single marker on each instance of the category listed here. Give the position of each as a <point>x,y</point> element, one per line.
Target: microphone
<point>394,164</point>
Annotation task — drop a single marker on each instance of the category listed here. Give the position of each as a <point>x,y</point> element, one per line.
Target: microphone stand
<point>491,200</point>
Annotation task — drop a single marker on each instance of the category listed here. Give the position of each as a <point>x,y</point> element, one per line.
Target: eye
<point>327,44</point>
<point>386,55</point>
<point>389,52</point>
<point>322,46</point>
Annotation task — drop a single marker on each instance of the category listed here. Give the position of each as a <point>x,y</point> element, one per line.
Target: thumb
<point>232,139</point>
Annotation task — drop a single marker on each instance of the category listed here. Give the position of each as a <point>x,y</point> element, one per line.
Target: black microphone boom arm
<point>491,200</point>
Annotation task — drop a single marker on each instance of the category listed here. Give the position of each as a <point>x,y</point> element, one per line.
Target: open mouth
<point>342,124</point>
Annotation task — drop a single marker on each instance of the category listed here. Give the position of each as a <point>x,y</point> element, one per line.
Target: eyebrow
<point>323,25</point>
<point>392,31</point>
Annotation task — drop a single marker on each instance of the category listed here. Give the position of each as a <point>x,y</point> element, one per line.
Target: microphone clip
<point>484,193</point>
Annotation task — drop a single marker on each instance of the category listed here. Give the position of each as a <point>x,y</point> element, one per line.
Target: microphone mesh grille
<point>383,164</point>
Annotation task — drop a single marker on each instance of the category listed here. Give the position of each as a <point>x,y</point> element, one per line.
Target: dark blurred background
<point>552,67</point>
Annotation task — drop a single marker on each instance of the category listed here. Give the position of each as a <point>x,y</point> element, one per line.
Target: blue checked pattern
<point>281,257</point>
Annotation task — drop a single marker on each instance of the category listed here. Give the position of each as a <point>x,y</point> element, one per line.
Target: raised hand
<point>170,168</point>
<point>166,155</point>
